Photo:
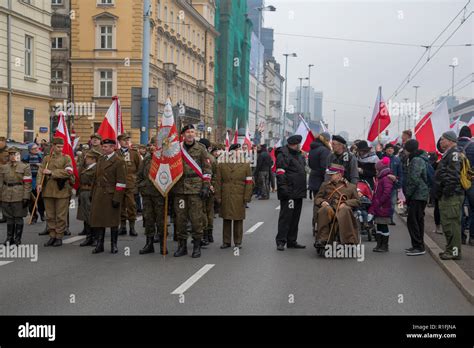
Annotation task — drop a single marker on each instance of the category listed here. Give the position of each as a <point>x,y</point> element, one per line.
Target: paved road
<point>261,280</point>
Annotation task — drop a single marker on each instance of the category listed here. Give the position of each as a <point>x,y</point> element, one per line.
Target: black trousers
<point>290,212</point>
<point>416,223</point>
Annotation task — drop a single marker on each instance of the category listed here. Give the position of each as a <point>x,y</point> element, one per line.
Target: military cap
<point>153,140</point>
<point>234,147</point>
<point>93,154</point>
<point>214,149</point>
<point>109,142</point>
<point>339,139</point>
<point>12,150</point>
<point>58,141</point>
<point>187,127</point>
<point>142,146</point>
<point>123,136</point>
<point>97,136</point>
<point>3,139</point>
<point>205,142</point>
<point>295,139</point>
<point>363,146</point>
<point>335,169</point>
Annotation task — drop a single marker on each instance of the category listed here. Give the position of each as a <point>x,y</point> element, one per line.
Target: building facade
<point>106,59</point>
<point>273,102</point>
<point>232,69</point>
<point>25,69</point>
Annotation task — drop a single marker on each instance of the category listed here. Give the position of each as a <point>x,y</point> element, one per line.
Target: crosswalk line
<point>193,279</point>
<point>3,263</point>
<point>254,228</point>
<point>73,239</point>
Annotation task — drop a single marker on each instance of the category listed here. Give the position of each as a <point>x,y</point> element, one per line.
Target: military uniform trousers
<point>153,214</point>
<point>288,221</point>
<point>189,207</point>
<point>14,212</point>
<point>84,209</point>
<point>346,225</point>
<point>57,210</point>
<point>209,213</point>
<point>129,206</point>
<point>238,231</point>
<point>263,180</point>
<point>450,212</point>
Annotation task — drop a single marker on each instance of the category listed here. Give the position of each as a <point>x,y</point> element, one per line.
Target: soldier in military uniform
<point>336,199</point>
<point>129,207</point>
<point>87,179</point>
<point>3,160</point>
<point>234,187</point>
<point>95,146</point>
<point>153,206</point>
<point>107,194</point>
<point>58,176</point>
<point>15,190</point>
<point>190,192</point>
<point>209,203</point>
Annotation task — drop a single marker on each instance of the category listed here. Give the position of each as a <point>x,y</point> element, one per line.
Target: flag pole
<point>380,98</point>
<point>165,227</point>
<point>41,185</point>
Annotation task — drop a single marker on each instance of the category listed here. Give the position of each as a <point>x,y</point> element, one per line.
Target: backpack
<point>467,173</point>
<point>430,172</point>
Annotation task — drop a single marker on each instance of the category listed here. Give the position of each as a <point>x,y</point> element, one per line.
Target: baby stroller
<point>366,220</point>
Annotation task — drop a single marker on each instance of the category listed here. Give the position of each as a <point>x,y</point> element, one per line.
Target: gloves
<point>25,203</point>
<point>115,204</point>
<point>61,183</point>
<point>204,193</point>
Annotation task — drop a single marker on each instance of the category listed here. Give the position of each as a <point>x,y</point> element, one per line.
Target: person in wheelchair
<point>336,199</point>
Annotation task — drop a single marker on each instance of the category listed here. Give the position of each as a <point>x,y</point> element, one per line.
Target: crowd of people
<point>115,186</point>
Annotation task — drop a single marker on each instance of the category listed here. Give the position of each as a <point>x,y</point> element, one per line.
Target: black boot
<point>94,236</point>
<point>210,238</point>
<point>384,246</point>
<point>133,233</point>
<point>100,241</point>
<point>45,232</point>
<point>3,220</point>
<point>378,247</point>
<point>162,246</point>
<point>113,240</point>
<point>196,248</point>
<point>148,248</point>
<point>50,242</point>
<point>10,231</point>
<point>89,239</point>
<point>182,248</point>
<point>84,231</point>
<point>205,240</point>
<point>57,243</point>
<point>18,234</point>
<point>123,228</point>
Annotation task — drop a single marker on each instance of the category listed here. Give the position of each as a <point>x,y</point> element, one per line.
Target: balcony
<point>59,90</point>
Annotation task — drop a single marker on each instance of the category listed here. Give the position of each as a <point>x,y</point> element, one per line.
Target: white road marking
<point>194,278</point>
<point>140,218</point>
<point>254,228</point>
<point>277,208</point>
<point>3,263</point>
<point>73,239</point>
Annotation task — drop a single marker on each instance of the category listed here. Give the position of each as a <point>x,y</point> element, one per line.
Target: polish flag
<point>432,126</point>
<point>227,140</point>
<point>112,126</point>
<point>470,124</point>
<point>394,141</point>
<point>247,138</point>
<point>306,133</point>
<point>236,134</point>
<point>380,118</point>
<point>273,155</point>
<point>63,133</point>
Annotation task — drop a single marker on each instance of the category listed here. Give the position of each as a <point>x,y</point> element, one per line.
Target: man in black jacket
<point>318,161</point>
<point>291,183</point>
<point>262,172</point>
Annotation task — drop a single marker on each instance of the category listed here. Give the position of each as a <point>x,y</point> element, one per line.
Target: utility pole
<point>145,72</point>
<point>407,115</point>
<point>309,89</point>
<point>415,117</point>
<point>452,85</point>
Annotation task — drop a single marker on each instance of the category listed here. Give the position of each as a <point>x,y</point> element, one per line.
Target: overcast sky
<point>350,73</point>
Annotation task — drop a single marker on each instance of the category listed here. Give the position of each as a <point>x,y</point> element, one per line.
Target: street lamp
<point>286,91</point>
<point>415,118</point>
<point>452,88</point>
<point>309,89</point>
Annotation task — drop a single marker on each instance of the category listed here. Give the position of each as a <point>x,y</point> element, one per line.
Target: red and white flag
<point>323,127</point>
<point>63,133</point>
<point>247,138</point>
<point>236,133</point>
<point>112,125</point>
<point>227,140</point>
<point>273,155</point>
<point>470,124</point>
<point>432,126</point>
<point>167,164</point>
<point>306,134</point>
<point>380,118</point>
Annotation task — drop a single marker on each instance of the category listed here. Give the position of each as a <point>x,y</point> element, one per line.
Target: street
<point>258,281</point>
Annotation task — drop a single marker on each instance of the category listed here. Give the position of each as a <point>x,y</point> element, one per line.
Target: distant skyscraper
<point>311,103</point>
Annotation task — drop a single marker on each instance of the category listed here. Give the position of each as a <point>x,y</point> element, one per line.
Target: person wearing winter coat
<point>367,159</point>
<point>342,156</point>
<point>465,143</point>
<point>318,161</point>
<point>417,194</point>
<point>397,171</point>
<point>381,206</point>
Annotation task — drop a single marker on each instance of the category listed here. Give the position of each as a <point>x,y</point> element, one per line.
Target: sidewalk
<point>460,271</point>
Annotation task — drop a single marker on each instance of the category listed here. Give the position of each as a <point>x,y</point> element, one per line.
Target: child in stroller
<point>366,220</point>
